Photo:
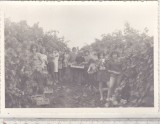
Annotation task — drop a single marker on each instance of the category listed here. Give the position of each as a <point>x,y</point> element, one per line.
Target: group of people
<point>85,67</point>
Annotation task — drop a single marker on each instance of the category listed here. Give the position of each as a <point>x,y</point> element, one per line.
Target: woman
<point>44,65</point>
<point>115,70</point>
<point>102,76</point>
<point>65,69</point>
<point>55,61</point>
<point>92,69</point>
<point>44,59</point>
<point>36,66</point>
<point>50,65</point>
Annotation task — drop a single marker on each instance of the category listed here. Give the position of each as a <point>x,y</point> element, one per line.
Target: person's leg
<point>119,80</point>
<point>100,90</point>
<point>63,72</point>
<point>89,80</point>
<point>59,75</point>
<point>111,87</point>
<point>92,81</point>
<point>56,74</point>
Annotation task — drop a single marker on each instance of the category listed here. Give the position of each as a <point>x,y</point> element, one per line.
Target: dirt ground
<point>72,95</point>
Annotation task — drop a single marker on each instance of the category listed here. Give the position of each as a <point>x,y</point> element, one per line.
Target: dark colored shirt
<point>80,59</point>
<point>115,66</point>
<point>72,57</point>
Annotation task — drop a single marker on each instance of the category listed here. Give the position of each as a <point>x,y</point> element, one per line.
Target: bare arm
<point>115,72</point>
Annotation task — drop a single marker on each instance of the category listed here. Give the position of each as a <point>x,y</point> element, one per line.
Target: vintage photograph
<point>64,55</point>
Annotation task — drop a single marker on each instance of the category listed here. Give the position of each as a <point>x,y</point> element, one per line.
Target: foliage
<point>129,43</point>
<point>18,39</point>
<point>138,47</point>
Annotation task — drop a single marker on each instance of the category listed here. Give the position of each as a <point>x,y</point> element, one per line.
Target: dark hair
<point>74,48</point>
<point>99,54</point>
<point>32,46</point>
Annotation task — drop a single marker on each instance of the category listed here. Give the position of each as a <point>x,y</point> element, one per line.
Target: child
<point>92,69</point>
<point>101,74</point>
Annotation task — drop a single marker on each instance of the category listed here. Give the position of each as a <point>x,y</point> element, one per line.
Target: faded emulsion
<point>43,69</point>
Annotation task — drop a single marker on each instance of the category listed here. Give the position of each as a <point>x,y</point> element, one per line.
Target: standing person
<point>44,59</point>
<point>36,66</point>
<point>79,71</point>
<point>65,59</point>
<point>55,61</point>
<point>87,58</point>
<point>60,66</point>
<point>92,69</point>
<point>72,58</point>
<point>44,65</point>
<point>102,76</point>
<point>115,70</point>
<point>50,65</point>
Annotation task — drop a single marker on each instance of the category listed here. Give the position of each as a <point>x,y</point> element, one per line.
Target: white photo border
<point>78,112</point>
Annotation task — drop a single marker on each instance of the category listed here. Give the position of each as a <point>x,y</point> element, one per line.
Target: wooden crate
<point>48,91</point>
<point>37,97</point>
<point>77,66</point>
<point>44,101</point>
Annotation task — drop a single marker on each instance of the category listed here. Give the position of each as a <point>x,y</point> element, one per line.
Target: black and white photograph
<point>80,55</point>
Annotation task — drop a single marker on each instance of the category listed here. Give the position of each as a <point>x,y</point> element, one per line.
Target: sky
<point>82,22</point>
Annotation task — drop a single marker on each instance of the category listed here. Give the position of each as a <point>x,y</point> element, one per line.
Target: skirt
<point>102,76</point>
<point>50,68</point>
<point>55,66</point>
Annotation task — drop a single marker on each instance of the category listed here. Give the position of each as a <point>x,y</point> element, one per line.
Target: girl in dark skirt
<point>36,65</point>
<point>102,76</point>
<point>92,69</point>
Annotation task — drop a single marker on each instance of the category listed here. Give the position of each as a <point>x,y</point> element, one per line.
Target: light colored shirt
<point>44,60</point>
<point>36,61</point>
